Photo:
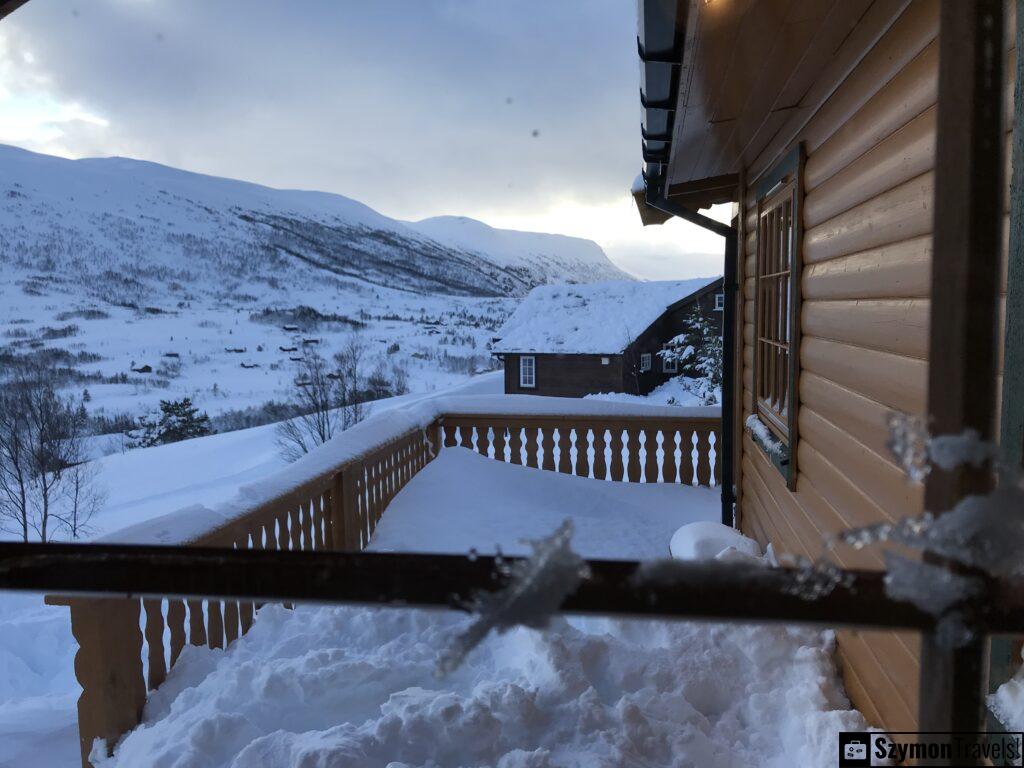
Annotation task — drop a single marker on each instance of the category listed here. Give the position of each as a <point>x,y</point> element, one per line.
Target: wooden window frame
<point>719,302</point>
<point>666,361</point>
<point>777,301</point>
<point>646,362</point>
<point>533,372</point>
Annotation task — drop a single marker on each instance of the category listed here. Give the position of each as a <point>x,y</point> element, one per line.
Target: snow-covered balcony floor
<point>462,501</point>
<point>352,687</point>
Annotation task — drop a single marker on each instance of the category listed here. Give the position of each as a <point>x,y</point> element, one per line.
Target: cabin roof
<point>593,318</point>
<point>726,86</point>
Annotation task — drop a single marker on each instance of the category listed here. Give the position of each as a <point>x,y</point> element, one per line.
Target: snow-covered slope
<point>130,228</point>
<point>532,254</point>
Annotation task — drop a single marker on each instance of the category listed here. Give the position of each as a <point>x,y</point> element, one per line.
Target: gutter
<point>724,452</point>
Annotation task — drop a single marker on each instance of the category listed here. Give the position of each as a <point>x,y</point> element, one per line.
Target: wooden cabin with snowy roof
<point>575,340</point>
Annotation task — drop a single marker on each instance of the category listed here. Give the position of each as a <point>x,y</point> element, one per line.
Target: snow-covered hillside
<point>134,228</point>
<point>112,266</point>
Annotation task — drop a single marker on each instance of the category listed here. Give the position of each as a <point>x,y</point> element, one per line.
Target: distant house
<point>574,340</point>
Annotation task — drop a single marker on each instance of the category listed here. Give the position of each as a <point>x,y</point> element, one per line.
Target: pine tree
<point>177,420</point>
<point>698,353</point>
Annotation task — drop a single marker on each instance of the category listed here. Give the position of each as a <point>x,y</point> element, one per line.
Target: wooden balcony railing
<point>128,645</point>
<point>635,449</point>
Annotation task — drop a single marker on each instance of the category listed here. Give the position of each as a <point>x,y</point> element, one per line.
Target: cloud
<point>498,110</point>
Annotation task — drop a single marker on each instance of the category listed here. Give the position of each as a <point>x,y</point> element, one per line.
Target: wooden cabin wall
<point>566,375</point>
<point>865,285</point>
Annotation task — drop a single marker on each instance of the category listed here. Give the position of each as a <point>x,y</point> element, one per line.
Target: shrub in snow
<point>698,354</point>
<point>176,420</point>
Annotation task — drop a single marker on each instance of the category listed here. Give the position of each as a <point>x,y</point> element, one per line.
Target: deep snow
<point>345,687</point>
<point>355,686</point>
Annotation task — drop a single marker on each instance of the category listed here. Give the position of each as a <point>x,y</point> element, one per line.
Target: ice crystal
<point>908,443</point>
<point>537,587</point>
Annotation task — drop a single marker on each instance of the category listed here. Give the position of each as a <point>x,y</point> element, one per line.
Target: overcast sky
<point>524,114</point>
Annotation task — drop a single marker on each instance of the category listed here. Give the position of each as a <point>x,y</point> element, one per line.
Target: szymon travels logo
<point>858,749</point>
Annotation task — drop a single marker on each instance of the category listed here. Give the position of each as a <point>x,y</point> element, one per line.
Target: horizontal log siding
<point>865,286</point>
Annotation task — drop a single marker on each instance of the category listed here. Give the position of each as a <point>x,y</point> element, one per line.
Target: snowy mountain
<point>129,229</point>
<point>143,282</point>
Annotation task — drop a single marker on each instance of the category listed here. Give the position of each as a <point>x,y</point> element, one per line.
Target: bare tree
<point>325,401</point>
<point>352,380</point>
<point>314,400</point>
<point>45,485</point>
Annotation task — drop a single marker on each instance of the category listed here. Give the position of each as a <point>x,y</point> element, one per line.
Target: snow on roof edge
<point>594,318</point>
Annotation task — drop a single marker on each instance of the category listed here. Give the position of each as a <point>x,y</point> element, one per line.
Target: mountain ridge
<point>155,226</point>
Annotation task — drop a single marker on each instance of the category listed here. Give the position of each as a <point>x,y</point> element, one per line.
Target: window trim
<point>533,372</point>
<point>719,302</point>
<point>645,362</point>
<point>785,181</point>
<point>666,361</point>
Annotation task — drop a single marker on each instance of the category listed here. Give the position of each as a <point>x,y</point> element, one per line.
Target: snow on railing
<point>191,524</point>
<point>332,499</point>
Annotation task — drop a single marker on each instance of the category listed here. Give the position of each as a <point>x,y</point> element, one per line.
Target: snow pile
<point>678,391</point>
<point>478,503</point>
<point>38,691</point>
<point>537,586</point>
<point>1007,703</point>
<point>707,540</point>
<point>349,687</point>
<point>356,687</point>
<point>598,318</point>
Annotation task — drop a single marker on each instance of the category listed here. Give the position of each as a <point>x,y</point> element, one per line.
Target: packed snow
<point>597,318</point>
<point>357,687</point>
<point>678,390</point>
<point>706,540</point>
<point>477,502</point>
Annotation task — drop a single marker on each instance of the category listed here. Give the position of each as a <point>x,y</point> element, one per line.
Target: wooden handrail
<point>338,510</point>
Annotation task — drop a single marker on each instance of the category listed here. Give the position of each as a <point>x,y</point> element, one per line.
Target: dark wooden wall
<point>567,375</point>
<point>665,328</point>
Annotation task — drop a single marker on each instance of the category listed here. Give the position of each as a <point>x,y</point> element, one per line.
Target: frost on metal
<point>538,585</point>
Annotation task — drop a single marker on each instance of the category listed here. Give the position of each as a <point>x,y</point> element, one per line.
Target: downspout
<point>724,451</point>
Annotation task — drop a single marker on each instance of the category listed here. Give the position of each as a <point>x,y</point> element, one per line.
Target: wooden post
<point>965,300</point>
<point>1004,655</point>
<point>108,666</point>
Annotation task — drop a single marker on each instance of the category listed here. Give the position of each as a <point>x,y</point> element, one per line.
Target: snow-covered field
<point>227,356</point>
<point>112,266</point>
